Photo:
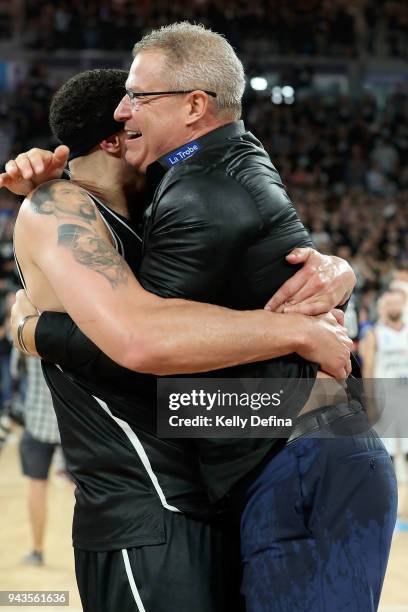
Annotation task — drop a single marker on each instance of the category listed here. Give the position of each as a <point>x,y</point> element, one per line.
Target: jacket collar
<point>156,171</point>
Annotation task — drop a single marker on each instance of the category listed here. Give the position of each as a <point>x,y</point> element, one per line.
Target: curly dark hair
<point>81,112</point>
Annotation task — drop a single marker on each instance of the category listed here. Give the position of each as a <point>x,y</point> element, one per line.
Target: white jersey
<point>391,356</point>
<point>391,361</point>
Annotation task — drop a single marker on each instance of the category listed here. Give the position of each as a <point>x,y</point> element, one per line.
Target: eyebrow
<point>135,89</point>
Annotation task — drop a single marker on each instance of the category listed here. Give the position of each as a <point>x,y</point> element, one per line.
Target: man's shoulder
<point>199,191</point>
<point>232,177</point>
<point>59,204</point>
<point>241,159</point>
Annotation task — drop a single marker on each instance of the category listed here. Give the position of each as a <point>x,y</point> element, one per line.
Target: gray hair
<point>198,58</point>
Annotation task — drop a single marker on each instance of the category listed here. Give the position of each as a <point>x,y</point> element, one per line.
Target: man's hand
<point>33,168</point>
<point>22,307</point>
<point>322,283</point>
<point>327,343</point>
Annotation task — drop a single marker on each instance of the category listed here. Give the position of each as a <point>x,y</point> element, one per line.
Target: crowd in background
<point>311,27</point>
<point>345,165</point>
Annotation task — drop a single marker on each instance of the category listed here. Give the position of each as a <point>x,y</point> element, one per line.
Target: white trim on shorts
<point>137,445</point>
<point>132,582</point>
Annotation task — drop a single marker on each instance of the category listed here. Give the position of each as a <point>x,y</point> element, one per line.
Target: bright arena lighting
<point>288,91</point>
<point>283,95</point>
<point>259,83</point>
<point>277,97</point>
<point>288,94</point>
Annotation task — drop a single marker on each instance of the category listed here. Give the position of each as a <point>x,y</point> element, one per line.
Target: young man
<point>37,449</point>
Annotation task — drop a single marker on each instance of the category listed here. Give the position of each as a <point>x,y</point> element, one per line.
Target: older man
<point>218,229</point>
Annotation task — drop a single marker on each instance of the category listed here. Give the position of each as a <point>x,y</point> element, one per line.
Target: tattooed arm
<point>64,244</point>
<point>92,251</point>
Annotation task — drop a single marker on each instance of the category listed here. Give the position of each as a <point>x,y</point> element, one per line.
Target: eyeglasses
<point>135,96</point>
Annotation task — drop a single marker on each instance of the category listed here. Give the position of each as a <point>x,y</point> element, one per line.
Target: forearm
<point>182,337</point>
<point>367,353</point>
<point>189,337</point>
<point>368,368</point>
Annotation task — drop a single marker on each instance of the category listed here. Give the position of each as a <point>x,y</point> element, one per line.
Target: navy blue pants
<point>317,527</point>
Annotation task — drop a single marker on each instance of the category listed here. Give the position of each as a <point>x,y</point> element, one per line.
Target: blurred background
<point>327,94</point>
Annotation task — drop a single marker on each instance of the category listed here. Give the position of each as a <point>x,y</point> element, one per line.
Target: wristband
<point>20,330</point>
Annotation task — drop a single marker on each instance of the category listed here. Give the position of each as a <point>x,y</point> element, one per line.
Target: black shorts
<point>36,456</point>
<point>197,569</point>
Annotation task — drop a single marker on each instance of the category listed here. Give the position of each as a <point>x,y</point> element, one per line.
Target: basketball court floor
<point>58,571</point>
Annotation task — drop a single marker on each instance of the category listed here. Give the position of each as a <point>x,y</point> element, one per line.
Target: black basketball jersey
<point>107,420</point>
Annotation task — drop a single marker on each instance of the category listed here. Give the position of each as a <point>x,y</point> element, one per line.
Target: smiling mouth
<point>133,135</point>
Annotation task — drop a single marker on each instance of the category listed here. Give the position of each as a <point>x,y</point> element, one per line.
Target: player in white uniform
<point>385,356</point>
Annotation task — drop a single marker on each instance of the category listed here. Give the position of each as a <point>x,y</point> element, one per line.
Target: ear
<point>111,144</point>
<point>197,106</point>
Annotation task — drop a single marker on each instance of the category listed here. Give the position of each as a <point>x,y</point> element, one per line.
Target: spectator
<point>37,447</point>
<point>385,356</point>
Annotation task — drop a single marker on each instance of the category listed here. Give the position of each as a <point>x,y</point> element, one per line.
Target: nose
<point>123,110</point>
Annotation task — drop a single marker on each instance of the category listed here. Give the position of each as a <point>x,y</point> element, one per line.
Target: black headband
<point>90,137</point>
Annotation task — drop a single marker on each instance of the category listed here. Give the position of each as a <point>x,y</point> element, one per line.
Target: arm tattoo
<point>94,252</point>
<point>63,200</point>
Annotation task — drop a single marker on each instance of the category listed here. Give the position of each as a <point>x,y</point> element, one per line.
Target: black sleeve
<point>59,340</point>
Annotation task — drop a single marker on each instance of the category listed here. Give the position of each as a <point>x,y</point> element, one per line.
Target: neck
<point>206,126</point>
<point>104,176</point>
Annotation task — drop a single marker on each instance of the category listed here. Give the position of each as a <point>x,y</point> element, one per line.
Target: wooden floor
<point>15,542</point>
<point>58,572</point>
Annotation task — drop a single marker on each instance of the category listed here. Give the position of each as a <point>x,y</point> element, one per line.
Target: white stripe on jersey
<point>137,445</point>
